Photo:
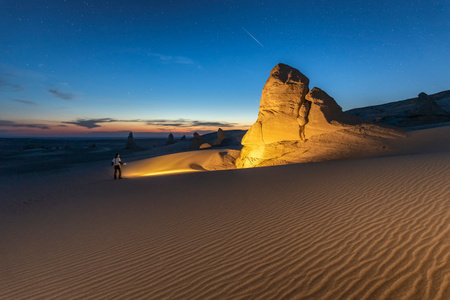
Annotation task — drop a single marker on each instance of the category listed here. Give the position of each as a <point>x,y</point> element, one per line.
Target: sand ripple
<point>364,229</point>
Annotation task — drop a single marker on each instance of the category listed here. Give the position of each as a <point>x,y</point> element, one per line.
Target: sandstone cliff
<point>296,124</point>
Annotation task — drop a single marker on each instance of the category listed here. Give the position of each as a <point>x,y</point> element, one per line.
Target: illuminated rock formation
<point>297,125</point>
<point>324,115</point>
<point>281,97</point>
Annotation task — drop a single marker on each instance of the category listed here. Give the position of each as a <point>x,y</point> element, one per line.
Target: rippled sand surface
<point>372,228</point>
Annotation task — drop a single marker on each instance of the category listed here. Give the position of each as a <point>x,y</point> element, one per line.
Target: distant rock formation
<point>197,141</point>
<point>427,110</point>
<point>131,144</point>
<point>220,137</point>
<point>170,140</point>
<point>298,125</point>
<point>423,110</point>
<point>183,138</point>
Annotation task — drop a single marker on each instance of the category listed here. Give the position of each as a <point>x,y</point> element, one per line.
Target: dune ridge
<point>374,228</point>
<point>184,162</point>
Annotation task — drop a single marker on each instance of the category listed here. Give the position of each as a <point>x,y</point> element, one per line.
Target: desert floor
<point>371,228</point>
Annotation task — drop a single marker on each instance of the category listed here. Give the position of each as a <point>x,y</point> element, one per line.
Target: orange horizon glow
<point>68,130</point>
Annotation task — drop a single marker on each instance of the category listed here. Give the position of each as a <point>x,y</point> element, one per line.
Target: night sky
<point>99,68</point>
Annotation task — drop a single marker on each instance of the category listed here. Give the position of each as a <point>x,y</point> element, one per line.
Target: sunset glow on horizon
<point>104,68</point>
<point>119,129</point>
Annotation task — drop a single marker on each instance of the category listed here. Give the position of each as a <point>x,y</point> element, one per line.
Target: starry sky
<point>103,68</point>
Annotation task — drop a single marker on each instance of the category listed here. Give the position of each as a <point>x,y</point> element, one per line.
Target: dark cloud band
<point>162,123</point>
<point>62,95</point>
<point>27,102</point>
<point>4,123</point>
<point>90,123</point>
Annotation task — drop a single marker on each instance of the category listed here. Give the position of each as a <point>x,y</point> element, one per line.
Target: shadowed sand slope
<point>374,228</point>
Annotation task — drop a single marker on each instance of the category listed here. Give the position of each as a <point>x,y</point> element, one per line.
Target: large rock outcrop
<point>298,125</point>
<point>281,98</point>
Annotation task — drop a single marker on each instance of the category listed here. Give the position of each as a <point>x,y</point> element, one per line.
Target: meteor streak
<point>253,37</point>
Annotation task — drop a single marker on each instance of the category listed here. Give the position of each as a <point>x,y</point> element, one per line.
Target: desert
<point>196,150</point>
<point>366,218</point>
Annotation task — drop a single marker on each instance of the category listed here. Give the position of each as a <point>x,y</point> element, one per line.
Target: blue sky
<point>78,68</point>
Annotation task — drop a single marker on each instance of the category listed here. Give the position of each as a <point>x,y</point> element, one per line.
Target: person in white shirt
<point>116,164</point>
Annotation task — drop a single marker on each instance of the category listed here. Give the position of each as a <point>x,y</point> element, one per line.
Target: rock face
<point>131,144</point>
<point>221,136</point>
<point>282,95</point>
<point>223,139</point>
<point>298,125</point>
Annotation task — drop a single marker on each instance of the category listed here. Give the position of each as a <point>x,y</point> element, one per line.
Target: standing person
<point>116,164</point>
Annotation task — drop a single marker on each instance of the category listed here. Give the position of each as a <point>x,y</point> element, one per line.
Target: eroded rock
<point>170,140</point>
<point>197,141</point>
<point>131,144</point>
<point>298,125</point>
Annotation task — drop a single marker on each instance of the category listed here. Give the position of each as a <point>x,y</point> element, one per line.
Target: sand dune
<point>185,162</point>
<point>372,228</point>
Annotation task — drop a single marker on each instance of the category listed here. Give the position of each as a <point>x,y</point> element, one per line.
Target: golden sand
<point>372,228</point>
